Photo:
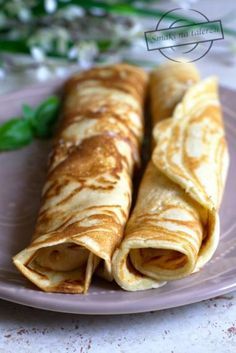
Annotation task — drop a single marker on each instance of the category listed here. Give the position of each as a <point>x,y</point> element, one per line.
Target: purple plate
<point>22,174</point>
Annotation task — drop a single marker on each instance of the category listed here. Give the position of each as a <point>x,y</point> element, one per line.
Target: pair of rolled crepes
<point>83,225</point>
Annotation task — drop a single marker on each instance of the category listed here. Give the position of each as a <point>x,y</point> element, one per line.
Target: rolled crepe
<point>174,228</point>
<point>168,85</point>
<point>87,194</point>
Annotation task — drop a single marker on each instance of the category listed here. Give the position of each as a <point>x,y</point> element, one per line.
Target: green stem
<point>22,47</point>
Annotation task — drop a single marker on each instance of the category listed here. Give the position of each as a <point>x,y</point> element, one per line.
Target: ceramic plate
<point>22,174</point>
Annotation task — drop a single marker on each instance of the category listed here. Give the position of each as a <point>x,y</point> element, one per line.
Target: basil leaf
<point>36,122</point>
<point>15,134</point>
<point>45,116</point>
<point>28,112</point>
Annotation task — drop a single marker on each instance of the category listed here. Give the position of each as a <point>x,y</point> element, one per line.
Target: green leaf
<point>15,134</point>
<point>28,112</point>
<point>14,46</point>
<point>37,122</point>
<point>45,117</point>
<point>104,44</point>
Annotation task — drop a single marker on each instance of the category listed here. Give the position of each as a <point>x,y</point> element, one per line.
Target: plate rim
<point>43,303</point>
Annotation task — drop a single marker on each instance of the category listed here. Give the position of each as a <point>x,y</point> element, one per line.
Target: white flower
<point>73,53</point>
<point>24,14</point>
<point>84,52</point>
<point>71,12</point>
<point>49,38</point>
<point>50,5</point>
<point>43,73</point>
<point>38,54</point>
<point>2,74</point>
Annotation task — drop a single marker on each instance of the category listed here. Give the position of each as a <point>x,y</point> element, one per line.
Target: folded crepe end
<point>63,268</point>
<point>162,263</point>
<point>127,276</point>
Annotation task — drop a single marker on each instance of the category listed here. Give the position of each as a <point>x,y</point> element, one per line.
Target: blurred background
<point>47,40</point>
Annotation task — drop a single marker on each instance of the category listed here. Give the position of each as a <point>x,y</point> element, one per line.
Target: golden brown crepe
<point>168,85</point>
<point>174,228</point>
<point>87,194</point>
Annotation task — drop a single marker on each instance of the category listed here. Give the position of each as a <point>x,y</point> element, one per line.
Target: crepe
<point>87,195</point>
<point>174,228</point>
<point>168,85</point>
